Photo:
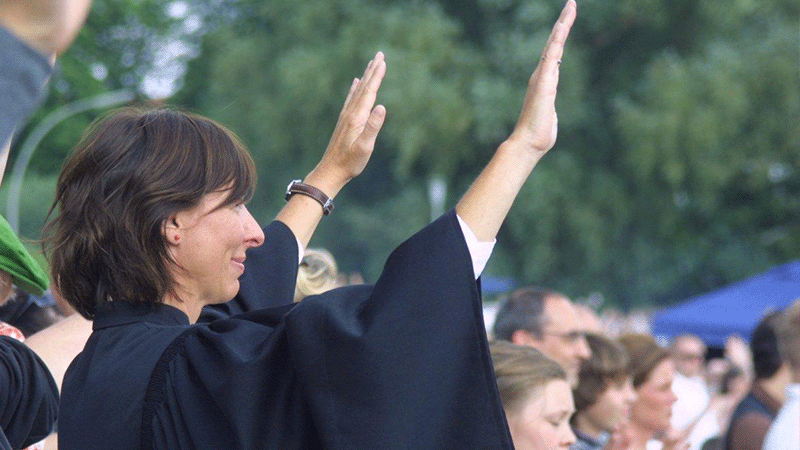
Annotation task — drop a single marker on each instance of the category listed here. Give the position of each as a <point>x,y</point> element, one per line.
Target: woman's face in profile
<point>653,407</point>
<point>208,243</point>
<point>542,422</point>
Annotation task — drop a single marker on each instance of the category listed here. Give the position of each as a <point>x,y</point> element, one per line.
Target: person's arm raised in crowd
<point>47,26</point>
<point>32,33</point>
<point>347,154</point>
<point>487,202</point>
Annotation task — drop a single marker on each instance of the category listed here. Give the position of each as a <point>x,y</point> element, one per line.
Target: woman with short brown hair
<point>604,395</point>
<point>403,364</point>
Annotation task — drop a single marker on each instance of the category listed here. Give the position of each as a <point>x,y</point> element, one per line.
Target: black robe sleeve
<point>28,395</point>
<point>403,365</point>
<point>269,278</point>
<point>406,365</point>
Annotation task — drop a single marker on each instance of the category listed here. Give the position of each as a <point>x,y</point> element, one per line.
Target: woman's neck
<point>190,308</point>
<point>639,436</point>
<point>775,386</point>
<point>587,427</point>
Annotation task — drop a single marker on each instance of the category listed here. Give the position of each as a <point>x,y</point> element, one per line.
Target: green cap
<point>17,262</point>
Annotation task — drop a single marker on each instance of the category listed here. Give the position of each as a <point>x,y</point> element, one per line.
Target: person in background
<point>32,34</point>
<point>589,318</point>
<point>652,371</point>
<point>688,352</point>
<point>536,397</point>
<point>729,389</point>
<point>754,414</point>
<point>28,394</point>
<point>30,313</point>
<point>716,368</point>
<point>57,345</point>
<point>737,352</point>
<point>317,273</point>
<point>603,398</point>
<point>547,321</point>
<point>784,432</point>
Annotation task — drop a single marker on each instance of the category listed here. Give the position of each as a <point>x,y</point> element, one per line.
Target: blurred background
<point>676,171</point>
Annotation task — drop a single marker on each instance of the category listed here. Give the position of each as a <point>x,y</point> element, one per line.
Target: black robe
<point>401,365</point>
<point>28,396</point>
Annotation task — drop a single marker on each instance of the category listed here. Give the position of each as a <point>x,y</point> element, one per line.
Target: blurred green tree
<point>676,169</point>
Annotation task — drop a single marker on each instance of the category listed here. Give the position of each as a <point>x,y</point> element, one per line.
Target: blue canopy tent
<point>734,309</point>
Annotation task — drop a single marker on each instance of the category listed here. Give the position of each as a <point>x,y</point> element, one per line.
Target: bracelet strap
<point>298,187</point>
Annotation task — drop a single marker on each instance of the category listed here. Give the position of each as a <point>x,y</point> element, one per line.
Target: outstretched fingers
<point>538,118</point>
<point>554,48</point>
<point>367,91</point>
<point>364,91</point>
<point>359,122</point>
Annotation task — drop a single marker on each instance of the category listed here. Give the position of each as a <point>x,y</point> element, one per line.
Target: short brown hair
<point>607,364</point>
<point>521,370</point>
<point>644,355</point>
<point>131,171</point>
<point>523,309</point>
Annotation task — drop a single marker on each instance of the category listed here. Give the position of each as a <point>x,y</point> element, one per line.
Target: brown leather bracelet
<point>298,187</point>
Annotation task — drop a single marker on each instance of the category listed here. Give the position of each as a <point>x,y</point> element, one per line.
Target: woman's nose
<point>254,235</point>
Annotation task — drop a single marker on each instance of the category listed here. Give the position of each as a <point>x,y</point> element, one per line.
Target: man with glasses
<point>548,321</point>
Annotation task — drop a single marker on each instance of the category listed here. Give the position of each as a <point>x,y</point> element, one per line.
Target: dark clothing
<point>28,396</point>
<point>401,365</point>
<point>23,72</point>
<point>30,313</point>
<point>750,420</point>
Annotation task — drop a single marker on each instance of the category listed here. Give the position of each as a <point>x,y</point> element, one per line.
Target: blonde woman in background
<point>317,273</point>
<point>536,397</point>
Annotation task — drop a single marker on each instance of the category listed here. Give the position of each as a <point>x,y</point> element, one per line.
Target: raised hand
<point>486,203</point>
<point>353,140</point>
<point>348,151</point>
<point>537,125</point>
<point>48,26</point>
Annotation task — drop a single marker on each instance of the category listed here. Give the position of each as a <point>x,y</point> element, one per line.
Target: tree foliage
<point>676,168</point>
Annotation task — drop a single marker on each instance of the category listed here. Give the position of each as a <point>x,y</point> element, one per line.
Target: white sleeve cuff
<point>478,251</point>
<point>300,251</point>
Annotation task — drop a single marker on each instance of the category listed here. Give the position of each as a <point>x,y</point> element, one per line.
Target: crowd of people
<point>179,322</point>
<point>630,392</point>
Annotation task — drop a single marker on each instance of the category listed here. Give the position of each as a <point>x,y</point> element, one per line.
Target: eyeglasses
<point>572,337</point>
<point>690,356</point>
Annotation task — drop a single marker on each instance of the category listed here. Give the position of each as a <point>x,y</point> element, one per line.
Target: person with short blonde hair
<point>535,395</point>
<point>317,273</point>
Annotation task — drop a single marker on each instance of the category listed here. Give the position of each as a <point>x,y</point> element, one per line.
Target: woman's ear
<point>172,230</point>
